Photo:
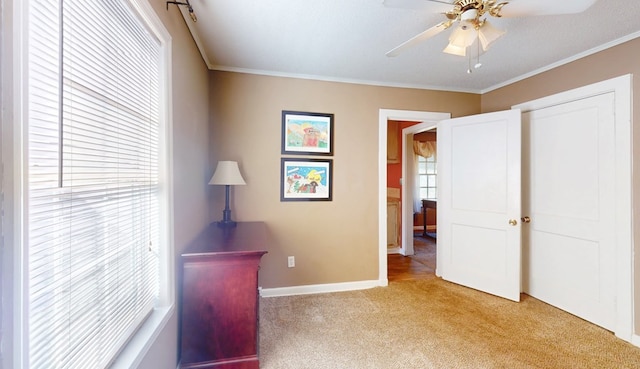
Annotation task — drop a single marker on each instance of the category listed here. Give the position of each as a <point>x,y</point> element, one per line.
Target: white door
<point>569,158</point>
<point>479,204</point>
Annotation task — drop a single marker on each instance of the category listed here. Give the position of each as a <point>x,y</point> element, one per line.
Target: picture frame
<point>306,179</point>
<point>305,133</point>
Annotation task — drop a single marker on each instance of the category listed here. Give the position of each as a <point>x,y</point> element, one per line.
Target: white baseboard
<point>635,340</point>
<point>393,250</point>
<point>318,288</point>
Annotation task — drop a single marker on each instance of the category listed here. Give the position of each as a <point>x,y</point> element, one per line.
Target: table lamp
<point>227,174</point>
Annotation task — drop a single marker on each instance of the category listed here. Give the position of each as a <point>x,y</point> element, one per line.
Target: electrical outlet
<point>291,261</point>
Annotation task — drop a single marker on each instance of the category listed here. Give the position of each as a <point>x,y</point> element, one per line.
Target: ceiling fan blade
<point>523,8</point>
<point>419,38</point>
<point>432,6</point>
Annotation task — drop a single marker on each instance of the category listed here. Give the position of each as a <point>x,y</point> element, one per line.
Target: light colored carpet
<point>430,324</point>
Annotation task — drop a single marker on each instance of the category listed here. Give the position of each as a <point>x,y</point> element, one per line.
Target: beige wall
<point>191,165</point>
<point>613,62</point>
<point>333,241</point>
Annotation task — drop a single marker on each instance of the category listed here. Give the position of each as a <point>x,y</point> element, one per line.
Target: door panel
<point>393,223</point>
<point>465,253</point>
<point>566,151</point>
<point>478,148</point>
<point>570,169</point>
<point>479,192</point>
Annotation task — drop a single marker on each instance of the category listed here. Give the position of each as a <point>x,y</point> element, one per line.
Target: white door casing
<point>479,202</point>
<point>385,115</point>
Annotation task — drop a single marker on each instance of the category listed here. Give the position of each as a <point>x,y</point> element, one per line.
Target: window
<point>427,173</point>
<point>96,230</point>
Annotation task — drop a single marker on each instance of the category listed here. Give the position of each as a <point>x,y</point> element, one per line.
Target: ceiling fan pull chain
<point>478,64</point>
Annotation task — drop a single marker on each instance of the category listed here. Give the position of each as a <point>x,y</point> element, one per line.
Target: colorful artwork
<point>307,133</point>
<point>306,179</point>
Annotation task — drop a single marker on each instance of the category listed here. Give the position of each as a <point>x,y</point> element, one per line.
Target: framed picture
<point>306,179</point>
<point>307,133</point>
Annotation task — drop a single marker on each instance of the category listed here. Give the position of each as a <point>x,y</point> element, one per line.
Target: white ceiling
<point>346,40</point>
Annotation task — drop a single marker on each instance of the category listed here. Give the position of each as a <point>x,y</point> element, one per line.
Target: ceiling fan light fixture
<point>488,34</point>
<point>462,36</point>
<point>455,50</point>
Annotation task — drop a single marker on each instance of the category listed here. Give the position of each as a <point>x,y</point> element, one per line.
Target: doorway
<point>426,120</point>
<point>419,266</point>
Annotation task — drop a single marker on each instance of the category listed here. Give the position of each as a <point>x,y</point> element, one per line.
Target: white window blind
<point>93,209</point>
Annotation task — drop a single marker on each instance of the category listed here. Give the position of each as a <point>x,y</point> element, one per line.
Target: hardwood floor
<point>422,265</point>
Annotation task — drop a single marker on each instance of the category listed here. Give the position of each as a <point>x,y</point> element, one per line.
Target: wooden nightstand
<point>219,305</point>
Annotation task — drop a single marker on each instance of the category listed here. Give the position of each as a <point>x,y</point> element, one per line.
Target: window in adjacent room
<point>427,173</point>
<point>96,245</point>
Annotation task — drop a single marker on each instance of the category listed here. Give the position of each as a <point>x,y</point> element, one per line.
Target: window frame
<point>16,175</point>
<point>421,160</point>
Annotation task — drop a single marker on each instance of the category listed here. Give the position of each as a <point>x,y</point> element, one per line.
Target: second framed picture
<point>307,133</point>
<point>306,179</point>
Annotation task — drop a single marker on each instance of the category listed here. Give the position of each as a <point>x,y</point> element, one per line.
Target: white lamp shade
<point>460,39</point>
<point>227,173</point>
<point>463,36</point>
<point>455,50</point>
<point>488,33</point>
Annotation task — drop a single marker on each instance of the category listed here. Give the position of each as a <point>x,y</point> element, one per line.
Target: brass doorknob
<point>513,222</point>
<point>526,220</point>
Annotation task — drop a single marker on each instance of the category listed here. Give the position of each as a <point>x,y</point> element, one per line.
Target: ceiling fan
<point>471,18</point>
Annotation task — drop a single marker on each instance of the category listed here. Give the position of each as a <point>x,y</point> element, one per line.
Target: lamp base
<point>226,224</point>
<point>226,221</point>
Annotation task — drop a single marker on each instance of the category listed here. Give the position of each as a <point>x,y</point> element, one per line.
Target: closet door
<point>571,248</point>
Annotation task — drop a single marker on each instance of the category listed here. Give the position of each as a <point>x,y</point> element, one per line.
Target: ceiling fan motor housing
<point>461,6</point>
<point>473,9</point>
<point>469,15</point>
